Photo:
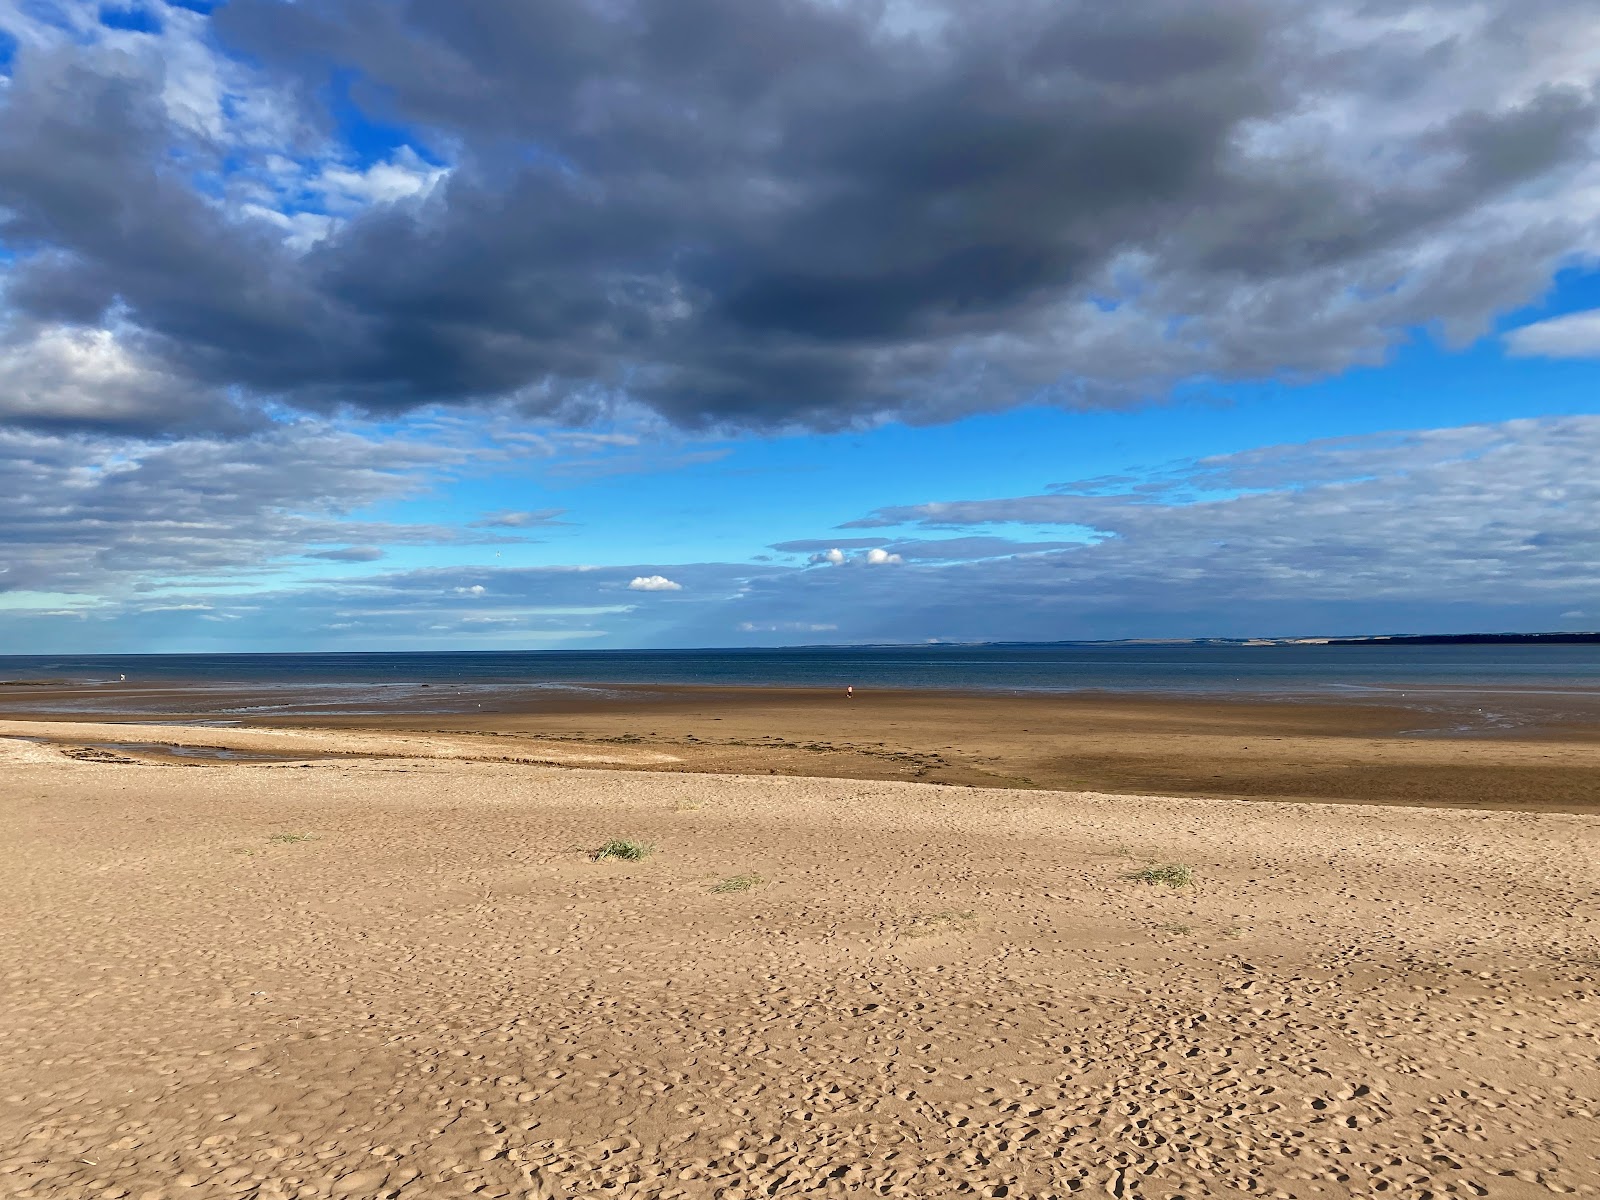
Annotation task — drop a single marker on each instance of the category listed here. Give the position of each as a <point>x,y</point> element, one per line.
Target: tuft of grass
<point>623,848</point>
<point>1174,928</point>
<point>290,838</point>
<point>738,883</point>
<point>1175,875</point>
<point>948,921</point>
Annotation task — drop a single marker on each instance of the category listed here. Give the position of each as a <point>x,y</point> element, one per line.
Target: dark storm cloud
<point>104,221</point>
<point>762,214</point>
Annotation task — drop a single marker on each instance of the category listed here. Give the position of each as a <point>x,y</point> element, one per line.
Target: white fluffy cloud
<point>1576,335</point>
<point>876,556</point>
<point>653,583</point>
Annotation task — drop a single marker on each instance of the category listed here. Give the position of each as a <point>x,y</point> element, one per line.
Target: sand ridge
<point>314,742</point>
<point>408,978</point>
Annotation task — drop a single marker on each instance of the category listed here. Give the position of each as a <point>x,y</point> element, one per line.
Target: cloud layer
<point>1475,527</point>
<point>810,212</point>
<point>91,516</point>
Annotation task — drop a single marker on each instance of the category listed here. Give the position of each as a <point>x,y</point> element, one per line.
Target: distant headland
<point>1431,639</point>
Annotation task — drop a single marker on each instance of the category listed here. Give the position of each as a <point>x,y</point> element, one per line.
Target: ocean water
<point>1495,676</point>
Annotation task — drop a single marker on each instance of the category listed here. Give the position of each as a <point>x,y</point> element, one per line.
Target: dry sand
<point>405,976</point>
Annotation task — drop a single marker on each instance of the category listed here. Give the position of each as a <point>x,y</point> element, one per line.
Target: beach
<point>1457,748</point>
<point>833,599</point>
<point>392,965</point>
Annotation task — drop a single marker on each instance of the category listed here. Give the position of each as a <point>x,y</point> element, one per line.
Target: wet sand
<point>1453,750</point>
<point>397,971</point>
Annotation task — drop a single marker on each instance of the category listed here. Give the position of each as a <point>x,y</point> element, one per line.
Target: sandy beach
<point>629,600</point>
<point>395,969</point>
<point>1460,749</point>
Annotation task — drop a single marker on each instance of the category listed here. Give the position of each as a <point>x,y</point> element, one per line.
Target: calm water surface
<point>1290,671</point>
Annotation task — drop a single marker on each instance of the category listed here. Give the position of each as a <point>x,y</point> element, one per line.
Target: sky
<point>477,324</point>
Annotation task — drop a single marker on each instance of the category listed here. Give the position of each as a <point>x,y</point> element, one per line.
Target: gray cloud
<point>1495,516</point>
<point>804,213</point>
<point>83,515</point>
<point>72,378</point>
<point>520,519</point>
<point>969,548</point>
<point>348,554</point>
<point>110,513</point>
<point>812,545</point>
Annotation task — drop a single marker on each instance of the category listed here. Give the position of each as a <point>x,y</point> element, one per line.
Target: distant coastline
<point>1436,639</point>
<point>105,657</point>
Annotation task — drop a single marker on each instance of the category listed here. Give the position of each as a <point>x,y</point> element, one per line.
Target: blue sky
<point>475,327</point>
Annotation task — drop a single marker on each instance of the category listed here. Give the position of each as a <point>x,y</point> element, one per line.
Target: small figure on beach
<point>122,679</point>
<point>849,692</point>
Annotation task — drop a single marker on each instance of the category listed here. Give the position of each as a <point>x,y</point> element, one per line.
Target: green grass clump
<point>290,838</point>
<point>738,883</point>
<point>624,849</point>
<point>951,920</point>
<point>1175,875</point>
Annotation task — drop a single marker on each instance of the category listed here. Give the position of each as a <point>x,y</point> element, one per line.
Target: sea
<point>1493,679</point>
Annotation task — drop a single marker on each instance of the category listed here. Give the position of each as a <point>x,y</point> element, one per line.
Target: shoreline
<point>1239,748</point>
<point>1569,705</point>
